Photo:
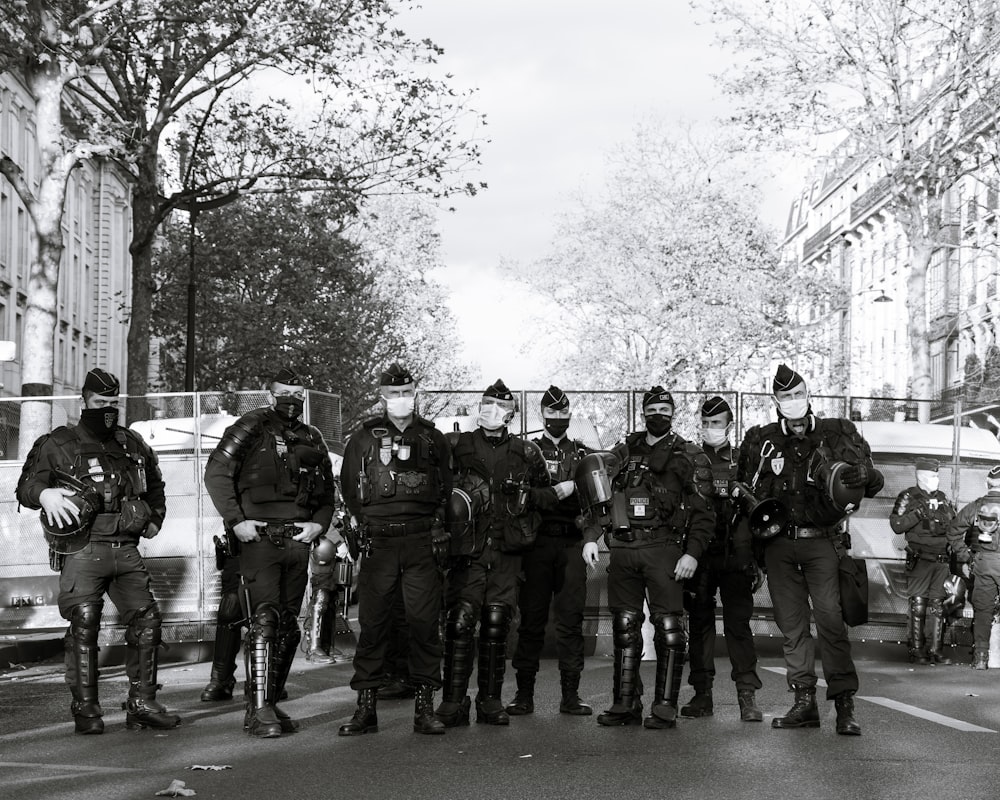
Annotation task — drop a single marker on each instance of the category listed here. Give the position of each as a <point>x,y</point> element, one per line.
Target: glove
<point>564,489</point>
<point>855,476</point>
<point>440,543</point>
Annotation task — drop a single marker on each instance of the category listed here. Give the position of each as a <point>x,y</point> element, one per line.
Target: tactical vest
<point>561,464</point>
<point>654,495</point>
<point>116,468</point>
<point>283,465</point>
<point>723,473</point>
<point>401,467</point>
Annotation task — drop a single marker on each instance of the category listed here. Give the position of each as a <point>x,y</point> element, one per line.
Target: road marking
<point>913,711</point>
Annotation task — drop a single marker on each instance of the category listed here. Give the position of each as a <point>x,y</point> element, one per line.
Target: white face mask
<point>927,480</point>
<point>399,407</point>
<point>715,437</point>
<point>795,408</point>
<point>492,417</point>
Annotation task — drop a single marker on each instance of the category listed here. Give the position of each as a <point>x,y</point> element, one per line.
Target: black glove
<point>854,476</point>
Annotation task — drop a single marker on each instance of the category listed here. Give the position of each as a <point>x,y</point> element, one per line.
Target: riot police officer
<point>980,560</point>
<point>818,469</point>
<point>396,481</point>
<point>727,568</point>
<point>270,479</point>
<point>100,490</point>
<point>507,477</point>
<point>657,524</point>
<point>553,569</point>
<point>922,513</point>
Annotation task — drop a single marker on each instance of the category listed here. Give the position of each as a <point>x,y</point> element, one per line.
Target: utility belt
<point>115,542</point>
<point>940,558</point>
<point>638,534</point>
<point>277,532</point>
<point>805,532</point>
<point>388,529</point>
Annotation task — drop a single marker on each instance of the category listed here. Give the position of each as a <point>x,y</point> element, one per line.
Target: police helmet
<point>954,600</point>
<point>324,551</point>
<point>466,501</point>
<point>845,499</point>
<point>988,517</point>
<point>74,536</point>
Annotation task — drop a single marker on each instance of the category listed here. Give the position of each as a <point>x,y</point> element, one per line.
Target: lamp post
<point>849,344</point>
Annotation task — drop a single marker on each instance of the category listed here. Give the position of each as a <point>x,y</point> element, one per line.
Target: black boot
<point>701,705</point>
<point>289,637</point>
<point>981,658</point>
<point>261,720</point>
<point>424,720</point>
<point>365,719</point>
<point>222,680</point>
<point>571,702</point>
<point>524,700</point>
<point>749,712</point>
<point>81,668</point>
<point>319,627</point>
<point>803,713</point>
<point>627,707</point>
<point>846,724</point>
<point>916,640</point>
<point>142,640</point>
<point>670,643</point>
<point>935,611</point>
<point>492,664</point>
<point>455,705</point>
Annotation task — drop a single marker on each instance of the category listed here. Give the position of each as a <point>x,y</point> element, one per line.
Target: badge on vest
<point>777,464</point>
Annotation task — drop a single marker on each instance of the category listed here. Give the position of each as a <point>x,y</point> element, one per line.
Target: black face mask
<point>556,428</point>
<point>101,422</point>
<point>289,408</point>
<point>658,424</point>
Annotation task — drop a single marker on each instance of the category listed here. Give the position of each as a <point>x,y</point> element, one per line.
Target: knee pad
<point>626,625</point>
<point>669,629</point>
<point>144,627</point>
<point>229,609</point>
<point>461,619</point>
<point>266,620</point>
<point>85,622</point>
<point>495,622</point>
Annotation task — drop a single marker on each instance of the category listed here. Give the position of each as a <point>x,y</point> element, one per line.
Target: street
<point>927,732</point>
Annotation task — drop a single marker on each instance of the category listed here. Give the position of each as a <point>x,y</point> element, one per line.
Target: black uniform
<point>727,568</point>
<point>923,517</point>
<point>124,471</point>
<point>553,571</point>
<point>274,469</point>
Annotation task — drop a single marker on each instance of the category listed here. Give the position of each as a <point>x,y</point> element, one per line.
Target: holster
<point>912,556</point>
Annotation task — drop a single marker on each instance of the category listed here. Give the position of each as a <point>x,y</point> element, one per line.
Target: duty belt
<point>115,542</point>
<point>941,558</point>
<point>278,531</point>
<point>648,535</point>
<point>399,528</point>
<point>802,532</point>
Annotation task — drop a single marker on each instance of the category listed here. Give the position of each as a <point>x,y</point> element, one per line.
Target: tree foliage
<point>666,276</point>
<point>908,86</point>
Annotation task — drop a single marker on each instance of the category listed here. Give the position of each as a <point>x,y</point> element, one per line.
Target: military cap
<point>101,382</point>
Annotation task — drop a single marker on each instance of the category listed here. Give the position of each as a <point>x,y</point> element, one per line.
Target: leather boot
<point>524,700</point>
<point>749,712</point>
<point>81,669</point>
<point>260,719</point>
<point>701,705</point>
<point>935,612</point>
<point>626,708</point>
<point>980,659</point>
<point>365,719</point>
<point>455,705</point>
<point>492,664</point>
<point>803,713</point>
<point>669,641</point>
<point>846,724</point>
<point>318,628</point>
<point>222,680</point>
<point>424,720</point>
<point>284,654</point>
<point>571,702</point>
<point>916,639</point>
<point>142,640</point>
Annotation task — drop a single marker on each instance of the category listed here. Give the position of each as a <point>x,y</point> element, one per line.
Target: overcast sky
<point>561,83</point>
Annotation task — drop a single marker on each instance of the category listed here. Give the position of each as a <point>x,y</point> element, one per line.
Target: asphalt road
<point>929,732</point>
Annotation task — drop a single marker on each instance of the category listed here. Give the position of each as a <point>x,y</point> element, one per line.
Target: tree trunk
<point>144,223</point>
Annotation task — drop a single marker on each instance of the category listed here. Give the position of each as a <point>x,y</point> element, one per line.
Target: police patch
<point>777,464</point>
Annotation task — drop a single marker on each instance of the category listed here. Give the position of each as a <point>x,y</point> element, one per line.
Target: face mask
<point>928,482</point>
<point>658,424</point>
<point>100,421</point>
<point>399,407</point>
<point>289,407</point>
<point>715,437</point>
<point>794,409</point>
<point>556,428</point>
<point>493,417</point>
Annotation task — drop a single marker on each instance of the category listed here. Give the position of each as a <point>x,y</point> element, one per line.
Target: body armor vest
<point>116,468</point>
<point>284,465</point>
<point>401,467</point>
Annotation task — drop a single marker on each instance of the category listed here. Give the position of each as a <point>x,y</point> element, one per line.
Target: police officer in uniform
<point>796,460</point>
<point>119,473</point>
<point>727,568</point>
<point>271,481</point>
<point>659,527</point>
<point>980,560</point>
<point>922,514</point>
<point>396,481</point>
<point>229,622</point>
<point>482,585</point>
<point>553,569</point>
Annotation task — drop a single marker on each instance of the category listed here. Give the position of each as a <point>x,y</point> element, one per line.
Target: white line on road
<point>914,711</point>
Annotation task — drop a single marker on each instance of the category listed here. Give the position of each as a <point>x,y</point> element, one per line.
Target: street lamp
<point>849,344</point>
